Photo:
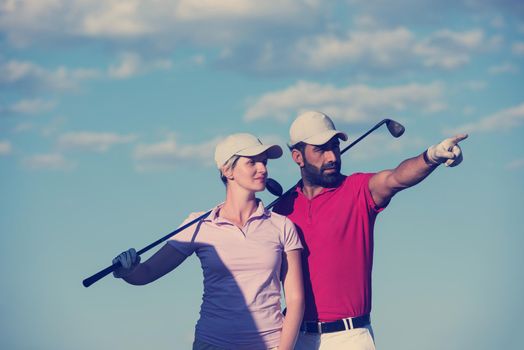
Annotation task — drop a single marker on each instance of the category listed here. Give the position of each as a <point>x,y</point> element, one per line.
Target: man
<point>335,215</point>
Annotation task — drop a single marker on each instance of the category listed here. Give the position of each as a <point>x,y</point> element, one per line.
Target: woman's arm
<point>294,296</point>
<point>165,260</point>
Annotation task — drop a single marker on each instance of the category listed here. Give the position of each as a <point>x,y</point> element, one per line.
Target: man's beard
<point>317,177</point>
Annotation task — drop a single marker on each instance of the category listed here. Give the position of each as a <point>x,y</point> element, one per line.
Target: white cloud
<point>21,127</point>
<point>211,10</point>
<point>132,64</point>
<point>351,103</point>
<point>502,120</point>
<point>503,68</point>
<point>258,35</point>
<point>5,148</point>
<point>32,76</point>
<point>128,66</point>
<point>518,48</point>
<point>383,48</point>
<point>475,85</point>
<point>169,154</point>
<point>427,12</point>
<point>115,19</point>
<point>515,164</point>
<point>92,141</point>
<point>28,21</point>
<point>49,161</point>
<point>28,75</point>
<point>33,106</point>
<point>449,50</point>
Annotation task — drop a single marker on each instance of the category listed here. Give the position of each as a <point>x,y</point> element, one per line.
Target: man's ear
<point>298,157</point>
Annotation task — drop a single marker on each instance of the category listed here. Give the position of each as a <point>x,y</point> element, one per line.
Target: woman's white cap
<point>243,144</point>
<point>314,128</point>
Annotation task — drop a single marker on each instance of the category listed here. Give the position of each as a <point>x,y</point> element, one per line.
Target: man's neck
<point>310,190</point>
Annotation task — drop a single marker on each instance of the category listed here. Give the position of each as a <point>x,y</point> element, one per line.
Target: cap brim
<point>272,151</point>
<point>324,137</point>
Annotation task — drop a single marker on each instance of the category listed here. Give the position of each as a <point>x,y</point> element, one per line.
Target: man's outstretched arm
<point>385,184</point>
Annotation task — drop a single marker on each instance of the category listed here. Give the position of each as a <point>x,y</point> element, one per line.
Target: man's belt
<point>335,326</point>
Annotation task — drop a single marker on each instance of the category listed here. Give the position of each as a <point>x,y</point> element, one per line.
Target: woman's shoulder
<point>280,219</point>
<point>194,215</point>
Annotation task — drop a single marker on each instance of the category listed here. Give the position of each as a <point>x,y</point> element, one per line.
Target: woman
<point>245,252</point>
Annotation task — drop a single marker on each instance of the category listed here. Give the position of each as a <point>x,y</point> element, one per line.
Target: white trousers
<point>353,339</point>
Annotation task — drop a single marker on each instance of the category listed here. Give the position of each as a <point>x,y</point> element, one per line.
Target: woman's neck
<point>238,207</point>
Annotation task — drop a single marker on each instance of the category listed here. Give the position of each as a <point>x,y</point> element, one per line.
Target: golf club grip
<point>100,274</point>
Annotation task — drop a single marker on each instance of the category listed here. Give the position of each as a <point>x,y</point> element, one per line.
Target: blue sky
<point>109,113</point>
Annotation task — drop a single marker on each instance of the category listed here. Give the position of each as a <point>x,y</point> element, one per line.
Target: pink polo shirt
<point>241,302</point>
<point>336,228</point>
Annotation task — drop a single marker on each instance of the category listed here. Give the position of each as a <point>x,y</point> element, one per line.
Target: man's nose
<point>330,156</point>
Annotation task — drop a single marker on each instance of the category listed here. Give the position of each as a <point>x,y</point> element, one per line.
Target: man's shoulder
<point>354,182</point>
<point>284,206</point>
<point>358,177</point>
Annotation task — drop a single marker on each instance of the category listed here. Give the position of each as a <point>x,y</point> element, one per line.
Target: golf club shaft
<point>101,274</point>
<point>383,121</point>
<point>272,186</point>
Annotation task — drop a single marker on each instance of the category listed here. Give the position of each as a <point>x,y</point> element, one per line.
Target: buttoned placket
<point>244,230</point>
<point>310,202</point>
<point>234,228</point>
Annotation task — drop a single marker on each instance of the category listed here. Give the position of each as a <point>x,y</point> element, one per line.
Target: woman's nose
<point>261,168</point>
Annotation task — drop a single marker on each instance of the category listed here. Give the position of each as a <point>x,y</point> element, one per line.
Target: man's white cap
<point>314,128</point>
<point>243,144</point>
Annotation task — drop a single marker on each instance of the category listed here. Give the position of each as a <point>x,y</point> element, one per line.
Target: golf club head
<point>273,187</point>
<point>395,128</point>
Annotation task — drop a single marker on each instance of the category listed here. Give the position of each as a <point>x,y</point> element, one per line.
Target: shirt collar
<point>324,190</point>
<point>260,212</point>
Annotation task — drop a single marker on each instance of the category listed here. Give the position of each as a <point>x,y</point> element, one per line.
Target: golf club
<point>395,129</point>
<point>274,187</point>
<point>271,185</point>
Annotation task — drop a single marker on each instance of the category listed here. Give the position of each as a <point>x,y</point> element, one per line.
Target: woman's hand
<point>128,260</point>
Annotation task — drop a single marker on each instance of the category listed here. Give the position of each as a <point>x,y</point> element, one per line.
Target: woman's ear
<point>227,173</point>
<point>297,157</point>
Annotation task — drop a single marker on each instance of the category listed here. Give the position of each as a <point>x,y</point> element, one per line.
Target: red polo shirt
<point>336,229</point>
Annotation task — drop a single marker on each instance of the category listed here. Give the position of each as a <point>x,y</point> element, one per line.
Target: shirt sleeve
<point>184,241</point>
<point>367,196</point>
<point>291,240</point>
